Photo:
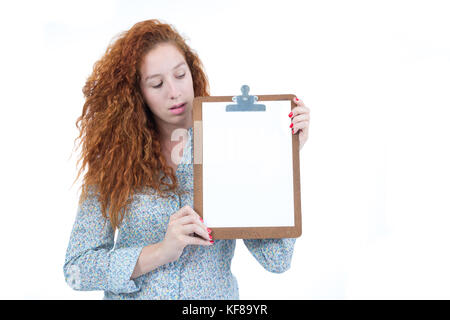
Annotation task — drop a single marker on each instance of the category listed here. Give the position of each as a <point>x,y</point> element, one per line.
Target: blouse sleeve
<point>275,255</point>
<point>91,262</point>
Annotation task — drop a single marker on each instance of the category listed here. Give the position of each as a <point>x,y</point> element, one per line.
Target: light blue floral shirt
<point>94,261</point>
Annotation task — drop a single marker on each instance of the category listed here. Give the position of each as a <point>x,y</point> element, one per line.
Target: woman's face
<point>166,82</point>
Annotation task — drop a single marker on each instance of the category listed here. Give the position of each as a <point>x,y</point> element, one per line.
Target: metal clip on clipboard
<point>245,102</point>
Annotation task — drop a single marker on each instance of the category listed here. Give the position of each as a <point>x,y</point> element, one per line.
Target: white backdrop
<point>374,173</point>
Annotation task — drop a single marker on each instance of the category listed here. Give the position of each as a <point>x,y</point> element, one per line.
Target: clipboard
<point>246,166</point>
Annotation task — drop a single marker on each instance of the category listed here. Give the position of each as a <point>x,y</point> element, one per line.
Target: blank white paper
<point>247,166</point>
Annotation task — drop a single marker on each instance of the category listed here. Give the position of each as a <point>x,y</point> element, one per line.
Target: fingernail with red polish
<point>290,114</point>
<point>296,99</point>
<point>212,241</point>
<point>209,230</point>
<point>291,125</point>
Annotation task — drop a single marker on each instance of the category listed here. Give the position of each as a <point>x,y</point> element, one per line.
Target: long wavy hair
<point>120,141</point>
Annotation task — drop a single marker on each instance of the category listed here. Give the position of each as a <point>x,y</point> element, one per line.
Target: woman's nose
<point>173,90</point>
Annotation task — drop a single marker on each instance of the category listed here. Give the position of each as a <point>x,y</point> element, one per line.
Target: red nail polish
<point>212,241</point>
<point>210,237</point>
<point>290,114</point>
<point>296,99</point>
<point>291,125</point>
<point>209,230</point>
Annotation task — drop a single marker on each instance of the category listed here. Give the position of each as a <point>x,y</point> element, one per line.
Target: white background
<point>374,172</point>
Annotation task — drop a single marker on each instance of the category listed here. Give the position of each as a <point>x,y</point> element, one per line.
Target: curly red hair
<point>120,141</point>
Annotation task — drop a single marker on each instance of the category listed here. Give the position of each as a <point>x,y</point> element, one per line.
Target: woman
<point>138,94</point>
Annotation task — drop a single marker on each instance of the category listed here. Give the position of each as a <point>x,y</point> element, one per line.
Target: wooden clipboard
<point>225,195</point>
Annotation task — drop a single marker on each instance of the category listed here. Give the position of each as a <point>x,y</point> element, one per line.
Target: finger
<point>187,220</point>
<point>191,220</point>
<point>298,101</point>
<point>300,117</point>
<point>193,228</point>
<point>185,211</point>
<point>180,213</point>
<point>193,213</point>
<point>198,217</point>
<point>197,241</point>
<point>299,110</point>
<point>303,125</point>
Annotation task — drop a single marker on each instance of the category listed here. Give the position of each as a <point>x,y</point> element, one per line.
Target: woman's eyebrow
<point>155,75</point>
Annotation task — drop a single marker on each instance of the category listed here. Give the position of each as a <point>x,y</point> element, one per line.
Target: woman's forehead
<point>162,59</point>
<point>164,53</point>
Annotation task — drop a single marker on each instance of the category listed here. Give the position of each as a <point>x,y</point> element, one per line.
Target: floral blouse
<point>96,261</point>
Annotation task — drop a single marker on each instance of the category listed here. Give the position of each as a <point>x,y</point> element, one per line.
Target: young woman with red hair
<point>140,182</point>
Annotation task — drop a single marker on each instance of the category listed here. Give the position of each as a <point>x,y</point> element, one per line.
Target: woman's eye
<point>159,85</point>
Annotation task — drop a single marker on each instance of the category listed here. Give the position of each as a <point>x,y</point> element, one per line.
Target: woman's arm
<point>150,258</point>
<point>275,255</point>
<point>92,262</point>
<point>180,233</point>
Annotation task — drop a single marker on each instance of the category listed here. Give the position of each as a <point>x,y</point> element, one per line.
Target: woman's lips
<point>177,105</point>
<point>178,110</point>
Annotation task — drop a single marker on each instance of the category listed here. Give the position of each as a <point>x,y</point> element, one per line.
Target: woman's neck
<point>170,132</point>
<point>170,136</point>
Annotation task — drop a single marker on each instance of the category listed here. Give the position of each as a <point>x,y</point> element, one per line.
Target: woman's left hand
<point>300,121</point>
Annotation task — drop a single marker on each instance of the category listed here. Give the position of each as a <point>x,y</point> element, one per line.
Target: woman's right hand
<point>183,224</point>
